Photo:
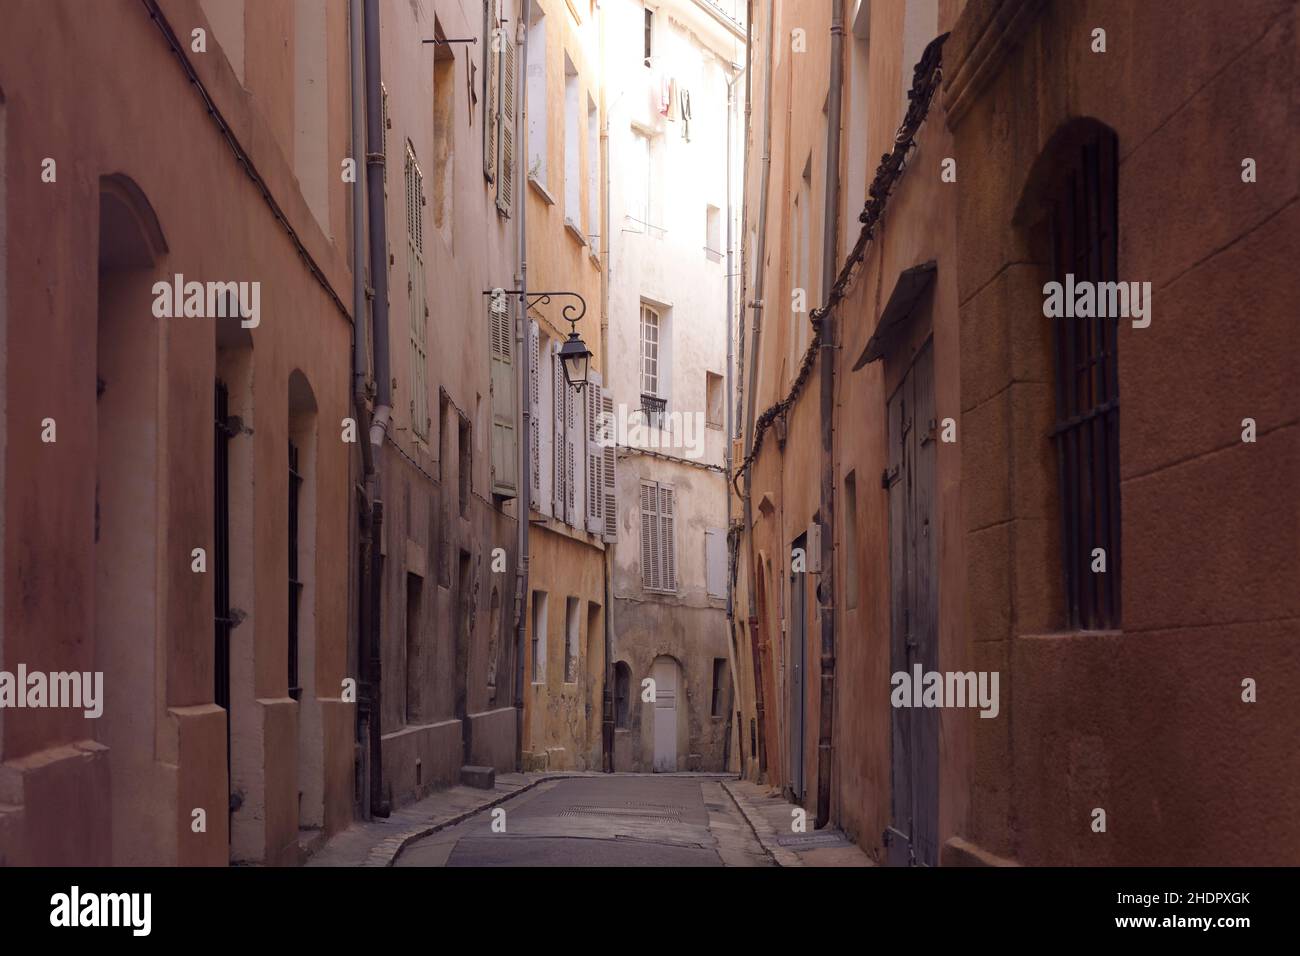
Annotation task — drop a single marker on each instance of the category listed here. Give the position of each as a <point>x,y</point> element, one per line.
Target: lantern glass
<point>576,359</point>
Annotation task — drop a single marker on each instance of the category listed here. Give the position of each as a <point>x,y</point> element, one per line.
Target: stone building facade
<point>995,509</point>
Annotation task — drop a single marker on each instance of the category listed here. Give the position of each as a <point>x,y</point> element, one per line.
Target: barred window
<point>1083,222</point>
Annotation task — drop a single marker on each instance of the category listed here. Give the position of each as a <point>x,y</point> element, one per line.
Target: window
<point>419,310</point>
<point>653,402</point>
<point>466,435</point>
<point>658,537</point>
<point>539,637</point>
<point>1083,220</point>
<point>538,103</point>
<point>637,197</point>
<point>622,687</point>
<point>851,539</point>
<point>713,400</point>
<point>719,678</point>
<point>649,350</point>
<point>713,233</point>
<point>414,584</point>
<point>593,176</point>
<point>572,157</point>
<point>571,640</point>
<point>444,125</point>
<point>649,49</point>
<point>295,584</point>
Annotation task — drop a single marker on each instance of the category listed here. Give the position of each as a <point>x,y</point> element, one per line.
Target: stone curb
<point>763,831</point>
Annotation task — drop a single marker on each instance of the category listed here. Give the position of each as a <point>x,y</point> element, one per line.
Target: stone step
<point>483,778</point>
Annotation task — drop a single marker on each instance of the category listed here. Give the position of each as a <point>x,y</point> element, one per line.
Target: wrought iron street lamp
<point>575,357</point>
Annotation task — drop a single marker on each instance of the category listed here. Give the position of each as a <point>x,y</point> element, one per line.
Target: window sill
<point>574,231</point>
<point>594,256</point>
<point>713,256</point>
<point>541,190</point>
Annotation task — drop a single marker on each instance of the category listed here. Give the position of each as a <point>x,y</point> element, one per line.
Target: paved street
<point>619,820</point>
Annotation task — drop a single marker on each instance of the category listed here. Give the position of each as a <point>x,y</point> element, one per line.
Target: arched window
<point>1082,223</point>
<point>622,687</point>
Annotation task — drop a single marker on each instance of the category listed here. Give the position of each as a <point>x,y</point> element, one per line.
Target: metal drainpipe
<point>525,394</point>
<point>826,583</point>
<point>383,382</point>
<point>726,446</point>
<point>606,242</point>
<point>360,363</point>
<point>755,336</point>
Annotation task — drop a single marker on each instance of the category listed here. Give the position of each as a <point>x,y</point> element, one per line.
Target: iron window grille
<point>653,408</point>
<point>1084,225</point>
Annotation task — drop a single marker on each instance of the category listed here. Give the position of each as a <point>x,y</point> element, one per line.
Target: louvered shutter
<point>419,309</point>
<point>558,388</point>
<point>650,535</point>
<point>505,455</point>
<point>667,539</point>
<point>594,486</point>
<point>609,450</point>
<point>491,88</point>
<point>506,164</point>
<point>572,469</point>
<point>535,412</point>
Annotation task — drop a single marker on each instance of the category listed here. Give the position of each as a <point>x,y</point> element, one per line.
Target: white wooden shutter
<point>505,453</point>
<point>650,535</point>
<point>506,165</point>
<point>667,539</point>
<point>535,411</point>
<point>558,469</point>
<point>419,310</point>
<point>572,465</point>
<point>594,485</point>
<point>715,561</point>
<point>609,449</point>
<point>491,89</point>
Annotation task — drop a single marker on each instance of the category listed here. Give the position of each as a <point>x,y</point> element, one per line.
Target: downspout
<point>755,336</point>
<point>360,367</point>
<point>383,381</point>
<point>525,392</point>
<point>606,242</point>
<point>826,584</point>
<point>726,452</point>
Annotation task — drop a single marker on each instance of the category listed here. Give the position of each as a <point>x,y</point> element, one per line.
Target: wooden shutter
<point>667,539</point>
<point>491,89</point>
<point>558,470</point>
<point>505,455</point>
<point>595,458</point>
<point>419,310</point>
<point>535,412</point>
<point>650,535</point>
<point>572,471</point>
<point>609,449</point>
<point>506,164</point>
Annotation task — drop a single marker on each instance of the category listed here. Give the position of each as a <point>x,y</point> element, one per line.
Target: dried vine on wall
<point>925,80</point>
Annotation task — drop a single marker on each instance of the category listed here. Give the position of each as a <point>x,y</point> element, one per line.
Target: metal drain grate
<point>813,841</point>
<point>631,812</point>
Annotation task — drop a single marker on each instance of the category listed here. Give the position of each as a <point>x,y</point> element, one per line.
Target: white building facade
<point>669,65</point>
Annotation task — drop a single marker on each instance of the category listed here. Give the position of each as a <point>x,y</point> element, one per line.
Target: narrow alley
<point>647,433</point>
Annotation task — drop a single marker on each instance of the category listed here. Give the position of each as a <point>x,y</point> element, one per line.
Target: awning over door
<point>912,284</point>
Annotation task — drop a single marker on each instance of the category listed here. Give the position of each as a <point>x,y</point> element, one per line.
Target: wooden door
<point>914,767</point>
